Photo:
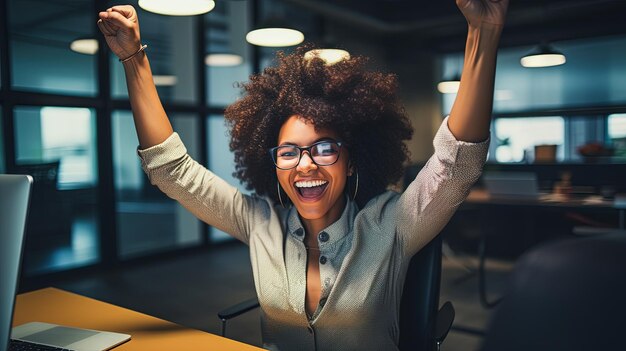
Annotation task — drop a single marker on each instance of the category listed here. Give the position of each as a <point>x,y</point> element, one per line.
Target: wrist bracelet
<point>142,48</point>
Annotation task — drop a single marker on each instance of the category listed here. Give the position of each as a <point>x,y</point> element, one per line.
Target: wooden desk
<point>148,333</point>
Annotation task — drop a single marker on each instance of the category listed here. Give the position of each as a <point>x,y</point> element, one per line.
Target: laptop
<point>512,185</point>
<point>14,199</point>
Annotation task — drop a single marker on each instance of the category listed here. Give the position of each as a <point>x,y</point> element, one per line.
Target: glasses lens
<point>287,156</point>
<point>325,153</point>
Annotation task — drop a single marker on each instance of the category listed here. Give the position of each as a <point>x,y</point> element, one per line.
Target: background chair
<point>422,325</point>
<point>566,295</point>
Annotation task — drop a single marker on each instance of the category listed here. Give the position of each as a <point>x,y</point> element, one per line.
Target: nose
<point>306,163</point>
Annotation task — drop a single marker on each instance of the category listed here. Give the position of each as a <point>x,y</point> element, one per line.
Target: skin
<point>319,214</point>
<point>470,117</point>
<point>469,120</point>
<point>315,215</point>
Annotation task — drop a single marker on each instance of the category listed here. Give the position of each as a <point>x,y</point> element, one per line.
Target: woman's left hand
<point>477,12</point>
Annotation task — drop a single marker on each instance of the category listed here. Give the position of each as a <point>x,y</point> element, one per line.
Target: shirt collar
<point>336,231</point>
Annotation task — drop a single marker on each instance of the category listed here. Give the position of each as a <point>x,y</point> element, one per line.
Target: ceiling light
<point>449,86</point>
<point>178,7</point>
<point>85,46</point>
<point>275,37</point>
<point>330,56</point>
<point>274,32</point>
<point>164,80</point>
<point>223,60</point>
<point>543,55</point>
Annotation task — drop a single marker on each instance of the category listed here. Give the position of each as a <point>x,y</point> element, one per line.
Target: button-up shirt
<point>363,255</point>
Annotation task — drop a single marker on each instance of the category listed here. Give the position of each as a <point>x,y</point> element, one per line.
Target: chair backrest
<point>566,295</point>
<point>420,298</point>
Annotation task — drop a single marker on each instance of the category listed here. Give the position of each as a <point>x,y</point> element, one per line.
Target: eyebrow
<point>316,141</point>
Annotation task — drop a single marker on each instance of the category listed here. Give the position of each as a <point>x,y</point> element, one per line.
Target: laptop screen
<point>14,198</point>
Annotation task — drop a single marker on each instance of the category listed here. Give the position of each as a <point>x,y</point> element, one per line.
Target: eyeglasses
<point>323,153</point>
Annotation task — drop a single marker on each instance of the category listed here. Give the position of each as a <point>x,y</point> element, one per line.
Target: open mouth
<point>311,189</point>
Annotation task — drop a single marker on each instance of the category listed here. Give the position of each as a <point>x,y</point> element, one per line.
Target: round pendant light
<point>275,37</point>
<point>164,80</point>
<point>274,32</point>
<point>87,46</point>
<point>330,56</point>
<point>450,86</point>
<point>177,7</point>
<point>543,55</point>
<point>223,60</point>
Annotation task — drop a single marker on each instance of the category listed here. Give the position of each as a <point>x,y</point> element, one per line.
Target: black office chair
<point>422,326</point>
<point>566,295</point>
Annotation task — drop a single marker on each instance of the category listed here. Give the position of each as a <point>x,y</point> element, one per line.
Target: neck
<point>312,227</point>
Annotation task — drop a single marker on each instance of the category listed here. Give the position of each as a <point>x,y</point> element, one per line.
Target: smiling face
<point>316,191</point>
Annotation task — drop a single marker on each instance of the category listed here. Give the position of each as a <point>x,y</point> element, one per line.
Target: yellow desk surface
<point>147,333</point>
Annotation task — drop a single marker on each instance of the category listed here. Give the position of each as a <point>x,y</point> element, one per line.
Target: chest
<point>356,276</point>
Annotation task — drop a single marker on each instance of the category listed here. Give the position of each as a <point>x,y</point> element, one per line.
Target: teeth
<point>310,183</point>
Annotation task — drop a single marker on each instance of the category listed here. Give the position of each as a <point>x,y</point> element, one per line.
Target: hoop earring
<point>356,187</point>
<point>279,197</point>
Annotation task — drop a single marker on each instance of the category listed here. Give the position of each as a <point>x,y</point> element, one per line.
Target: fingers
<point>123,16</point>
<point>107,28</point>
<point>125,10</point>
<point>116,18</point>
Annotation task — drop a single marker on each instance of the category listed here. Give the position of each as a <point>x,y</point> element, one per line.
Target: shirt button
<point>310,329</point>
<point>299,232</point>
<point>323,259</point>
<point>324,237</point>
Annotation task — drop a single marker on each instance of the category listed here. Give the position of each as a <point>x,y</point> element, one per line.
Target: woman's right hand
<point>120,27</point>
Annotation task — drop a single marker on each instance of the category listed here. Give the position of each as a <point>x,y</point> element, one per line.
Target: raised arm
<point>470,117</point>
<point>461,142</point>
<point>120,27</point>
<point>164,158</point>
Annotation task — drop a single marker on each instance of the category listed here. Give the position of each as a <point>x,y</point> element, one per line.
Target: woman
<point>319,144</point>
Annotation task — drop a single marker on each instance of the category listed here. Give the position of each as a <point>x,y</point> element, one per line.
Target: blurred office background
<point>65,115</point>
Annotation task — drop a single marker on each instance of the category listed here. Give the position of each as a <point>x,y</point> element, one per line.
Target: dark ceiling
<point>438,24</point>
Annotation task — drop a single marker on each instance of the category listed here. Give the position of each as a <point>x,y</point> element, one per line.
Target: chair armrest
<point>444,319</point>
<point>234,311</point>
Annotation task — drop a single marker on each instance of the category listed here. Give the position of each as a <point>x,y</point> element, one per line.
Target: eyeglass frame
<point>302,149</point>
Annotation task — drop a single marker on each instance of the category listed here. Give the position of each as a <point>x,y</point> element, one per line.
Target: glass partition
<point>66,135</point>
<point>572,139</point>
<point>57,146</point>
<point>44,56</point>
<point>514,138</point>
<point>147,220</point>
<point>580,82</point>
<point>617,125</point>
<point>226,28</point>
<point>617,134</point>
<point>172,48</point>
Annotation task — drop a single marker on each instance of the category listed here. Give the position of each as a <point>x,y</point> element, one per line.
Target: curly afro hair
<point>359,104</point>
